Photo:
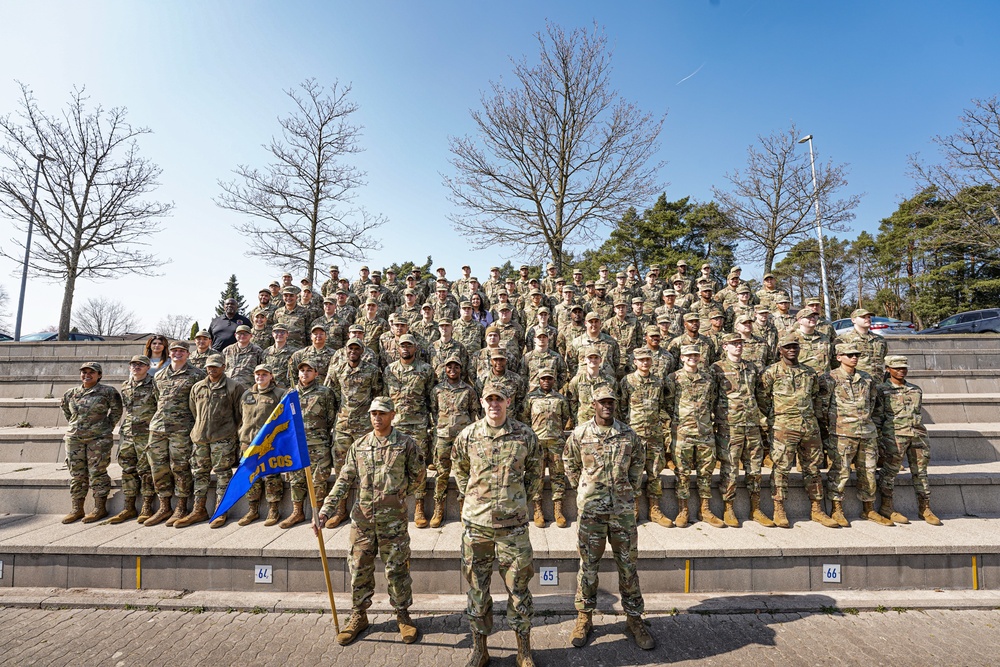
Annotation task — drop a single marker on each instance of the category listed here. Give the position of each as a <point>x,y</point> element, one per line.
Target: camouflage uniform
<point>757,351</point>
<point>481,365</point>
<point>580,390</point>
<point>336,332</point>
<point>320,358</point>
<point>849,404</point>
<point>374,328</point>
<point>645,406</point>
<point>737,426</point>
<point>354,388</point>
<point>297,322</point>
<point>409,386</point>
<point>441,351</point>
<point>139,403</point>
<point>91,416</point>
<point>169,450</point>
<point>277,360</point>
<point>704,311</point>
<point>240,362</point>
<point>605,344</point>
<point>676,315</point>
<point>259,337</point>
<point>217,419</point>
<point>605,465</point>
<point>548,413</point>
<point>707,348</point>
<point>471,335</point>
<point>815,351</point>
<point>568,332</point>
<point>536,360</point>
<point>497,470</point>
<point>196,359</point>
<point>453,407</point>
<point>319,415</point>
<point>426,330</point>
<point>873,349</point>
<point>784,322</point>
<point>693,398</point>
<point>627,332</point>
<point>513,383</point>
<point>255,408</point>
<point>902,435</point>
<point>769,297</point>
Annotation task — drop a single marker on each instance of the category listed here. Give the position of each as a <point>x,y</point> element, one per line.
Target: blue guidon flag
<point>280,446</point>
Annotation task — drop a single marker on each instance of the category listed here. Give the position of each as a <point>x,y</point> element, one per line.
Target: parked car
<point>4,337</point>
<point>973,321</point>
<point>52,335</point>
<point>883,326</point>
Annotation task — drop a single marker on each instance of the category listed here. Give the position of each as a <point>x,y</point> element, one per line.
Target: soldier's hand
<point>319,523</point>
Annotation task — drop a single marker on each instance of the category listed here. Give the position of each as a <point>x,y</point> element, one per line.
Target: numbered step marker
<point>262,574</point>
<point>549,576</point>
<point>831,573</point>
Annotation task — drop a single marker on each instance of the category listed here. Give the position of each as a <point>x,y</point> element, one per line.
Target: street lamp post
<point>819,226</point>
<point>27,248</point>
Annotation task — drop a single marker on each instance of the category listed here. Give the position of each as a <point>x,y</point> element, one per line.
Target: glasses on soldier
<point>852,354</point>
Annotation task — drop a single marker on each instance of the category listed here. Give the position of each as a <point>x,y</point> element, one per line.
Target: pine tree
<point>232,291</point>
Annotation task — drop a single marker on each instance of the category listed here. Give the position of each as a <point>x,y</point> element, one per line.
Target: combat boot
<point>253,513</point>
<point>179,512</point>
<point>438,515</point>
<point>635,627</point>
<point>128,512</point>
<point>888,512</point>
<point>838,514</point>
<point>539,518</point>
<point>76,513</point>
<point>868,512</point>
<point>656,515</point>
<point>780,520</point>
<point>729,516</point>
<point>581,631</point>
<point>924,510</point>
<point>419,518</point>
<point>524,650</point>
<point>818,515</point>
<point>559,516</point>
<point>407,630</point>
<point>708,517</point>
<point>219,521</point>
<point>162,513</point>
<point>681,520</point>
<point>757,514</point>
<point>197,515</point>
<point>100,510</point>
<point>338,516</point>
<point>479,657</point>
<point>273,513</point>
<point>147,509</point>
<point>295,518</point>
<point>356,624</point>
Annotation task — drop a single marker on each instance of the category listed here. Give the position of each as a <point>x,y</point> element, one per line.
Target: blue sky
<point>872,81</point>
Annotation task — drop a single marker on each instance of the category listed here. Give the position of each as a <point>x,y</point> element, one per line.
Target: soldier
<point>645,407</point>
<point>570,330</point>
<point>604,461</point>
<point>547,412</point>
<point>706,276</point>
<point>319,416</point>
<point>498,374</point>
<point>454,405</point>
<point>139,404</point>
<point>408,382</point>
<point>314,307</point>
<point>373,324</point>
<point>426,327</point>
<point>594,337</point>
<point>392,288</point>
<point>764,328</point>
<point>482,361</point>
<point>727,295</point>
<point>334,327</point>
<point>169,450</point>
<point>388,466</point>
<point>542,324</point>
<point>319,353</point>
<point>543,357</point>
<point>410,310</point>
<point>550,282</point>
<point>706,349</point>
<point>601,303</point>
<point>329,287</point>
<point>851,405</point>
<point>446,347</point>
<point>815,348</point>
<point>755,349</point>
<point>215,404</point>
<point>360,286</point>
<point>294,317</point>
<point>511,334</point>
<point>493,284</point>
<point>621,291</point>
<point>783,319</point>
<point>823,325</point>
<point>681,277</point>
<point>276,357</point>
<point>203,349</point>
<point>445,307</point>
<point>626,331</point>
<point>640,315</point>
<point>91,412</point>
<point>674,314</point>
<point>388,344</point>
<point>703,306</point>
<point>561,312</point>
<point>536,301</point>
<point>737,429</point>
<point>260,335</point>
<point>872,347</point>
<point>902,434</point>
<point>788,397</point>
<point>684,297</point>
<point>498,466</point>
<point>256,406</point>
<point>582,386</point>
<point>263,306</point>
<point>523,283</point>
<point>768,294</point>
<point>652,293</point>
<point>242,357</point>
<point>468,331</point>
<point>664,363</point>
<point>742,306</point>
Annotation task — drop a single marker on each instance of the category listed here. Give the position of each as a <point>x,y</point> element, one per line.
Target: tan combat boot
<point>296,517</point>
<point>338,516</point>
<point>708,517</point>
<point>681,520</point>
<point>780,519</point>
<point>479,657</point>
<point>356,624</point>
<point>820,516</point>
<point>438,515</point>
<point>729,516</point>
<point>581,631</point>
<point>147,509</point>
<point>635,627</point>
<point>407,629</point>
<point>524,658</point>
<point>757,514</point>
<point>273,513</point>
<point>888,512</point>
<point>198,514</point>
<point>76,513</point>
<point>868,512</point>
<point>539,518</point>
<point>656,515</point>
<point>128,512</point>
<point>219,521</point>
<point>419,518</point>
<point>100,510</point>
<point>559,516</point>
<point>838,514</point>
<point>253,513</point>
<point>179,512</point>
<point>924,510</point>
<point>162,513</point>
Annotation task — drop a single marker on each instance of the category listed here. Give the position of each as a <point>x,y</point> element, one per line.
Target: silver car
<point>883,326</point>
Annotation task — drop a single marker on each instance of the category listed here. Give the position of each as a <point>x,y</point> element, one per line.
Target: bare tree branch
<point>106,317</point>
<point>175,327</point>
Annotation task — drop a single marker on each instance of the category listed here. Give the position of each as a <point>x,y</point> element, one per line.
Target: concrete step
<point>904,344</point>
<point>89,351</point>
<point>36,412</point>
<point>954,360</point>
<point>40,551</point>
<point>956,382</point>
<point>960,408</point>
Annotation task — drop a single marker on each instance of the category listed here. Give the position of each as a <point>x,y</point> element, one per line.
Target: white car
<point>883,326</point>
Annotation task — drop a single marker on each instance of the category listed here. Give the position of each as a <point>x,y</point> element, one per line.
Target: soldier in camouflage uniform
<point>569,330</point>
<point>511,334</point>
<point>426,327</point>
<point>816,349</point>
<point>263,306</point>
<point>782,318</point>
<point>604,461</point>
<point>256,406</point>
<point>276,357</point>
<point>373,324</point>
<point>737,429</point>
<point>542,323</point>
<point>851,406</point>
<point>742,306</point>
<point>902,435</point>
<point>330,286</point>
<point>493,284</point>
<point>547,412</point>
<point>242,356</point>
<point>872,347</point>
<point>755,349</point>
<point>468,331</point>
<point>215,404</point>
<point>788,397</point>
<point>652,294</point>
<point>445,348</point>
<point>203,349</point>
<point>139,404</point>
<point>260,334</point>
<point>169,449</point>
<point>388,466</point>
<point>454,405</point>
<point>581,387</point>
<point>295,317</point>
<point>410,310</point>
<point>823,325</point>
<point>92,410</point>
<point>601,304</point>
<point>682,276</point>
<point>594,337</point>
<point>768,294</point>
<point>703,307</point>
<point>542,356</point>
<point>645,406</point>
<point>685,297</point>
<point>626,331</point>
<point>764,328</point>
<point>691,336</point>
<point>498,466</point>
<point>670,309</point>
<point>664,363</point>
<point>409,382</point>
<point>318,352</point>
<point>336,332</point>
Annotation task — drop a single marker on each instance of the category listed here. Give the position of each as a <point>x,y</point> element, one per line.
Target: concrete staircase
<point>960,377</point>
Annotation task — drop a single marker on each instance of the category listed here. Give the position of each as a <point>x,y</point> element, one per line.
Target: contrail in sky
<point>690,75</point>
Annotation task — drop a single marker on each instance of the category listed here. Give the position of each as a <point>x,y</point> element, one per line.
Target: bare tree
<point>105,317</point>
<point>92,218</point>
<point>300,205</point>
<point>556,156</point>
<point>771,200</point>
<point>175,327</point>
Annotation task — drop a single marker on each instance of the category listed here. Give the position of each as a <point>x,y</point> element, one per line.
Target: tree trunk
<point>66,311</point>
<point>768,260</point>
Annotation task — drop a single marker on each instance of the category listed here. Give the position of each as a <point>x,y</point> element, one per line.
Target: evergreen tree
<point>232,291</point>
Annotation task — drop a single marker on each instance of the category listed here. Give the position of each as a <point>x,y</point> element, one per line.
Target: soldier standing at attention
<point>388,466</point>
<point>139,403</point>
<point>169,450</point>
<point>604,461</point>
<point>256,406</point>
<point>691,337</point>
<point>454,405</point>
<point>294,316</point>
<point>202,349</point>
<point>91,411</point>
<point>816,348</point>
<point>872,347</point>
<point>497,468</point>
<point>547,412</point>
<point>242,357</point>
<point>276,356</point>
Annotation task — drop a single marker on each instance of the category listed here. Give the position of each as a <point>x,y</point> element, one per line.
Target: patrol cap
<point>691,317</point>
<point>341,290</point>
<point>669,292</point>
<point>550,265</point>
<point>329,299</point>
<point>542,332</point>
<point>464,303</point>
<point>577,272</point>
<point>371,302</point>
<point>453,359</point>
<point>317,326</point>
<point>768,275</point>
<point>307,362</point>
<point>407,338</point>
<point>140,359</point>
<point>243,329</point>
<point>354,328</point>
<point>704,286</point>
<point>560,279</point>
<point>498,353</point>
<point>376,273</point>
<point>381,404</point>
<point>642,353</point>
<point>732,338</point>
<point>589,283</point>
<point>715,313</point>
<point>678,281</point>
<point>427,306</point>
<point>762,309</point>
<point>663,319</point>
<point>492,389</point>
<point>681,262</point>
<point>602,267</point>
<point>274,283</point>
<point>652,330</point>
<point>688,350</point>
<point>202,334</point>
<point>180,345</point>
<point>444,322</point>
<point>363,268</point>
<point>286,274</point>
<point>524,267</point>
<point>290,289</point>
<point>631,267</point>
<point>492,329</point>
<point>742,319</point>
<point>334,267</point>
<point>600,284</point>
<point>94,366</point>
<point>546,372</point>
<point>533,280</point>
<point>215,360</point>
<point>620,274</point>
<point>279,327</point>
<point>264,290</point>
<point>602,393</point>
<point>783,299</point>
<point>735,271</point>
<point>743,289</point>
<point>504,306</point>
<point>575,306</point>
<point>465,266</point>
<point>592,315</point>
<point>502,290</point>
<point>593,351</point>
<point>654,267</point>
<point>847,348</point>
<point>638,299</point>
<point>494,268</point>
<point>390,271</point>
<point>621,301</point>
<point>262,368</point>
<point>896,361</point>
<point>355,341</point>
<point>535,292</point>
<point>805,312</point>
<point>788,338</point>
<point>860,312</point>
<point>706,265</point>
<point>569,289</point>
